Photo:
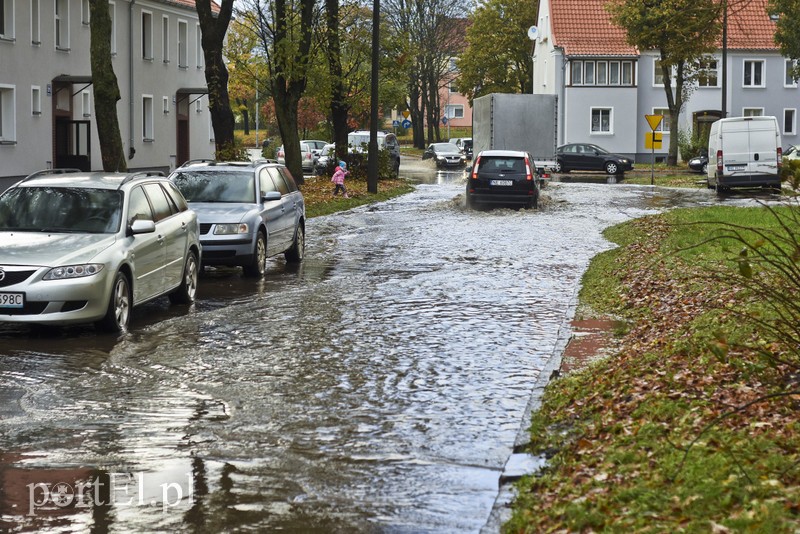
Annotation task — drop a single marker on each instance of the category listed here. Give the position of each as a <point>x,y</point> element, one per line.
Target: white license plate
<point>501,182</point>
<point>736,167</point>
<point>12,300</point>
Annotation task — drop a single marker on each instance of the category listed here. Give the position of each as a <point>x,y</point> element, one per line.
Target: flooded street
<point>378,387</point>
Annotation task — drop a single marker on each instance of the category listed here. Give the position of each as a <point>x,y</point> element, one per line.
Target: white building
<point>46,99</point>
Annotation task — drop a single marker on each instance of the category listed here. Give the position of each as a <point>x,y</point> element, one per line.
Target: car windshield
<point>216,186</point>
<point>61,209</point>
<point>444,147</point>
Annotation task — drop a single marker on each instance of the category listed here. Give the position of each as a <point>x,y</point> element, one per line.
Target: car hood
<point>50,250</point>
<point>222,212</point>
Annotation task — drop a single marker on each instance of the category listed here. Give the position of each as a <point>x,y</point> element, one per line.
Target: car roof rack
<point>45,172</point>
<point>209,161</point>
<point>141,174</point>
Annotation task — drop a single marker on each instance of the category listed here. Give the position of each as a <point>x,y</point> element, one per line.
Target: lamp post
<point>724,106</point>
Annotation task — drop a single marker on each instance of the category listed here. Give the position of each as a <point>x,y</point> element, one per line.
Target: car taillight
<point>475,168</point>
<point>780,157</point>
<point>719,161</point>
<point>528,173</point>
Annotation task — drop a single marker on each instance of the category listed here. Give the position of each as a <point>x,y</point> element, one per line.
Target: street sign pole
<point>653,121</point>
<point>653,160</point>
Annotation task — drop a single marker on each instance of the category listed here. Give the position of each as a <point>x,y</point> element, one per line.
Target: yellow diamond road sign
<point>654,120</point>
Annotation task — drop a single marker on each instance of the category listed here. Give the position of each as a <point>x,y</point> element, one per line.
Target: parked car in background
<point>315,145</point>
<point>80,247</point>
<point>445,155</point>
<point>358,142</point>
<point>466,147</point>
<point>307,157</point>
<point>700,163</point>
<point>326,155</point>
<point>503,177</point>
<point>247,212</point>
<point>791,153</point>
<point>590,157</point>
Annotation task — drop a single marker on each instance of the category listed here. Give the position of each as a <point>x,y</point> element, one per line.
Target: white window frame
<point>715,70</point>
<point>36,100</point>
<point>148,135</point>
<point>576,66</point>
<point>748,112</point>
<point>61,25</point>
<point>788,81</point>
<point>199,44</point>
<point>612,65</point>
<point>112,11</point>
<point>8,117</point>
<point>793,131</point>
<point>165,39</point>
<point>632,77</point>
<point>664,112</point>
<point>36,23</point>
<point>165,105</point>
<point>588,73</point>
<point>601,109</point>
<point>7,30</point>
<point>183,44</point>
<point>753,62</point>
<point>454,111</point>
<point>146,34</point>
<point>601,73</point>
<point>86,103</point>
<point>86,14</point>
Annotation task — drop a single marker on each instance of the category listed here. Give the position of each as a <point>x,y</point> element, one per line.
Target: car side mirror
<point>270,195</point>
<point>141,226</point>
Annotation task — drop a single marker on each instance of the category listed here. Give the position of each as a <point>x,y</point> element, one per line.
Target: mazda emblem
<point>2,274</point>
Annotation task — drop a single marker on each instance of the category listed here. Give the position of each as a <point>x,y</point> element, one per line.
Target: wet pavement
<point>378,387</point>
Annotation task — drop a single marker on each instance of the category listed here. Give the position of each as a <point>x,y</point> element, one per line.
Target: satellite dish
<point>533,31</point>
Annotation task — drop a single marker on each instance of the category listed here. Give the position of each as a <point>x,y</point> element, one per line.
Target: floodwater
<point>378,387</point>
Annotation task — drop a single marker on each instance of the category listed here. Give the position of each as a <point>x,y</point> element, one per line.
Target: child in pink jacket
<point>338,179</point>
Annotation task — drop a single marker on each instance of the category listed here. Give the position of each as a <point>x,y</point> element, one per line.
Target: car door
<point>271,211</point>
<point>174,229</point>
<point>147,250</point>
<point>570,158</point>
<point>288,208</point>
<point>594,160</point>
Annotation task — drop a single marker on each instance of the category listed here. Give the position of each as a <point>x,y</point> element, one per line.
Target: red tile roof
<point>190,4</point>
<point>584,27</point>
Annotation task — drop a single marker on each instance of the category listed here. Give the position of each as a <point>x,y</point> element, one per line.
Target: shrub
<point>691,145</point>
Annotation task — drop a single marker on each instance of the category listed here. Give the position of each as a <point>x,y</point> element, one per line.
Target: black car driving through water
<point>503,177</point>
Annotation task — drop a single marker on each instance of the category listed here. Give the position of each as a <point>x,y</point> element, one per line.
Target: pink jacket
<point>338,175</point>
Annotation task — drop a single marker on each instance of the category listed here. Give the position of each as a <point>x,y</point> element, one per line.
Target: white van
<point>744,152</point>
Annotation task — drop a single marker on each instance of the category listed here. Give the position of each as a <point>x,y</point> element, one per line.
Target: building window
<point>36,100</point>
<point>199,47</point>
<point>86,104</point>
<point>752,112</point>
<point>165,104</point>
<point>789,122</point>
<point>112,11</point>
<point>147,117</point>
<point>627,73</point>
<point>454,111</point>
<point>7,20</point>
<point>165,39</point>
<point>601,120</point>
<point>8,133</point>
<point>183,53</point>
<point>753,73</point>
<point>577,73</point>
<point>147,36</point>
<point>602,72</point>
<point>707,72</point>
<point>62,24</point>
<point>789,79</point>
<point>36,25</point>
<point>613,73</point>
<point>85,13</point>
<point>663,126</point>
<point>586,72</point>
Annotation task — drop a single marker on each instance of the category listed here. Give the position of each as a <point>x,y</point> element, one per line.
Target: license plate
<point>501,182</point>
<point>12,300</point>
<point>736,167</point>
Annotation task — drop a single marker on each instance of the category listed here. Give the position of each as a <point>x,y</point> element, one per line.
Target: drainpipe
<point>131,129</point>
<point>562,119</point>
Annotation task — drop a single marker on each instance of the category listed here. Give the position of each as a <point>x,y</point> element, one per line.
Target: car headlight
<point>73,271</point>
<point>228,229</point>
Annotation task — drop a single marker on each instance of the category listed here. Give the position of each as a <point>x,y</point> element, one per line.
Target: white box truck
<point>744,152</point>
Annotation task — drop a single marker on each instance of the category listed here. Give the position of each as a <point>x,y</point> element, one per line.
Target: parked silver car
<point>86,247</point>
<point>307,157</point>
<point>247,212</point>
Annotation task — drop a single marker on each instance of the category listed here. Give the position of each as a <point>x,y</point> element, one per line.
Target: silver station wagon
<point>248,211</point>
<point>86,247</point>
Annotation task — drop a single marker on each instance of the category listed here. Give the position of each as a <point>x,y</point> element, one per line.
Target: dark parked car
<point>445,155</point>
<point>700,163</point>
<point>505,177</point>
<point>247,212</point>
<point>589,157</point>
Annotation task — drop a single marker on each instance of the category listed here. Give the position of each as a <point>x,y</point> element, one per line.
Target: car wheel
<point>118,313</point>
<point>188,289</point>
<point>612,168</point>
<point>296,252</point>
<point>258,265</point>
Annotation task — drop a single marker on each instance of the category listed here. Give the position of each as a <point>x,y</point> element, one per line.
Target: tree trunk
<point>674,112</point>
<point>339,107</point>
<point>106,89</point>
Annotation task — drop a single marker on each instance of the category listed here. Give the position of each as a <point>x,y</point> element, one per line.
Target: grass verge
<point>685,429</point>
<point>319,199</point>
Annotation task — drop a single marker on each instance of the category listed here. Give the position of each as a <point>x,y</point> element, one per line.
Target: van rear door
<point>735,146</point>
<point>763,147</point>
